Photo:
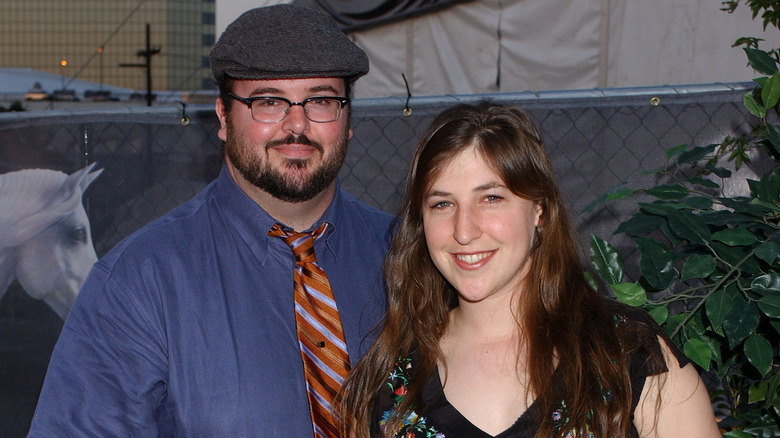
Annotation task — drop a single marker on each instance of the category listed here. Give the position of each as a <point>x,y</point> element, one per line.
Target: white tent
<point>488,46</point>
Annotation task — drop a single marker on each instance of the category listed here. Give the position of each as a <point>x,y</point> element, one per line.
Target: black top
<point>442,420</point>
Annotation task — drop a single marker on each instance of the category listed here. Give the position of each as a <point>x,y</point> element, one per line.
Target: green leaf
<point>703,182</point>
<point>766,282</point>
<point>718,306</point>
<point>667,191</point>
<point>761,425</point>
<point>655,263</point>
<point>757,391</point>
<point>737,434</point>
<point>768,251</point>
<point>773,140</point>
<point>591,280</point>
<point>761,81</point>
<point>615,194</point>
<point>698,202</point>
<point>695,154</point>
<point>741,321</point>
<point>676,150</point>
<point>761,61</point>
<point>724,368</point>
<point>741,205</point>
<point>734,237</point>
<point>770,93</point>
<point>715,346</point>
<point>621,193</point>
<point>630,293</point>
<point>674,239</point>
<point>770,305</point>
<point>698,266</point>
<point>699,352</point>
<point>658,313</point>
<point>719,171</point>
<point>640,223</point>
<point>696,326</point>
<point>759,353</point>
<point>768,188</point>
<point>606,260</point>
<point>689,227</point>
<point>750,103</point>
<point>659,207</point>
<point>724,217</point>
<point>734,255</point>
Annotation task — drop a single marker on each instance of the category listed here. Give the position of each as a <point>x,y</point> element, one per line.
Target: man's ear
<point>222,116</point>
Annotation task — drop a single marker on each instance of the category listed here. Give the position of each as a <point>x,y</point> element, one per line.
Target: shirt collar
<point>252,222</point>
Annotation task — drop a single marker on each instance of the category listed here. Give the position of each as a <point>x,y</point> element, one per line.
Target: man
<point>188,327</point>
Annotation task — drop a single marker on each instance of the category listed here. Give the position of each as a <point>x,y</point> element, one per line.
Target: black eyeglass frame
<point>249,101</point>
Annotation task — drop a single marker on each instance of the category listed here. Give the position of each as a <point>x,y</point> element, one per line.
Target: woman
<point>492,328</point>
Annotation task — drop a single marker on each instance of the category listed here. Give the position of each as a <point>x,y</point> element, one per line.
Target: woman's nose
<point>466,226</point>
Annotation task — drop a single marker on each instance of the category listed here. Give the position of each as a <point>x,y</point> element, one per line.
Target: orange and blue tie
<point>320,333</point>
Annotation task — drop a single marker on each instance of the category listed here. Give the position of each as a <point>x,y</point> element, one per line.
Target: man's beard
<point>295,186</point>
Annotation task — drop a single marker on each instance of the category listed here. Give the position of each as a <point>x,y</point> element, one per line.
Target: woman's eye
<point>493,198</point>
<point>440,205</point>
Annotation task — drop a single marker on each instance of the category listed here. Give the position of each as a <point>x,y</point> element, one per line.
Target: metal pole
<point>148,67</point>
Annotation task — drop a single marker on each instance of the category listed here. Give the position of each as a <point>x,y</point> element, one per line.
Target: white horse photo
<point>45,240</point>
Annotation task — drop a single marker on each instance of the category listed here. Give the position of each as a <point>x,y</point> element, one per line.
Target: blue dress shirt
<point>187,327</point>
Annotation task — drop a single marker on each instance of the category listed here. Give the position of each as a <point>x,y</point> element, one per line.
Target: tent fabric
<point>490,46</point>
<point>484,47</point>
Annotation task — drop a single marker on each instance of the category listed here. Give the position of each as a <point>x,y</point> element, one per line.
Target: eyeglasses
<point>320,109</point>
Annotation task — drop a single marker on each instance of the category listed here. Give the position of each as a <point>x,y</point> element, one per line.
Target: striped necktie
<point>320,334</point>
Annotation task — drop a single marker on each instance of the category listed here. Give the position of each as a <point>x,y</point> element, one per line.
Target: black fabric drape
<point>354,15</point>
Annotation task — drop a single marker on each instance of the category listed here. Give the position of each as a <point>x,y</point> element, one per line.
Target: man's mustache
<point>295,139</point>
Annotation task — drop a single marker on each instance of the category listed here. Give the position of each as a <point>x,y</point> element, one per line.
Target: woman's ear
<point>539,211</point>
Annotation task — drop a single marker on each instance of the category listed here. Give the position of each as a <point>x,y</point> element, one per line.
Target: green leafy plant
<point>709,264</point>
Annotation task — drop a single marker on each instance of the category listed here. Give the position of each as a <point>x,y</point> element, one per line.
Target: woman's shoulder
<point>641,337</point>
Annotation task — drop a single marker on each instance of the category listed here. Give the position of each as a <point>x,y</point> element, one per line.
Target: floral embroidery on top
<point>560,419</point>
<point>413,426</point>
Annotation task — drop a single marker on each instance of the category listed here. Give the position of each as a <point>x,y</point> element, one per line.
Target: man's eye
<point>267,102</point>
<point>322,102</point>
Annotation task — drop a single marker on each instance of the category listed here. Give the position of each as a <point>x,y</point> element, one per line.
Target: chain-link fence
<point>152,161</point>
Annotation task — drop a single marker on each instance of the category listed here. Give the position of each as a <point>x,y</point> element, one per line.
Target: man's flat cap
<point>286,41</point>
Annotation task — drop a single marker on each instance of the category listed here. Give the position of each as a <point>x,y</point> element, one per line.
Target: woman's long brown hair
<point>568,327</point>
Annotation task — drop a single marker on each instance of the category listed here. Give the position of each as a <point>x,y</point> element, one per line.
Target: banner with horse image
<point>71,187</point>
<point>46,251</point>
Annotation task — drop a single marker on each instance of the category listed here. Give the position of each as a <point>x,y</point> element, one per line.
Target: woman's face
<point>478,232</point>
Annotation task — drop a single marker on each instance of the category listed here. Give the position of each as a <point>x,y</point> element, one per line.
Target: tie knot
<point>302,244</point>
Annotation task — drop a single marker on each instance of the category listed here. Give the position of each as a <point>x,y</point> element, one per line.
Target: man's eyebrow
<point>266,90</point>
<point>276,91</point>
<point>321,88</point>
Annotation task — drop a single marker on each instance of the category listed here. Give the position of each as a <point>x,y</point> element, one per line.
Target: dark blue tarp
<point>354,15</point>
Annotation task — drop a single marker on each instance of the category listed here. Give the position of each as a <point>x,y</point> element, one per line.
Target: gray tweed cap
<point>286,41</point>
